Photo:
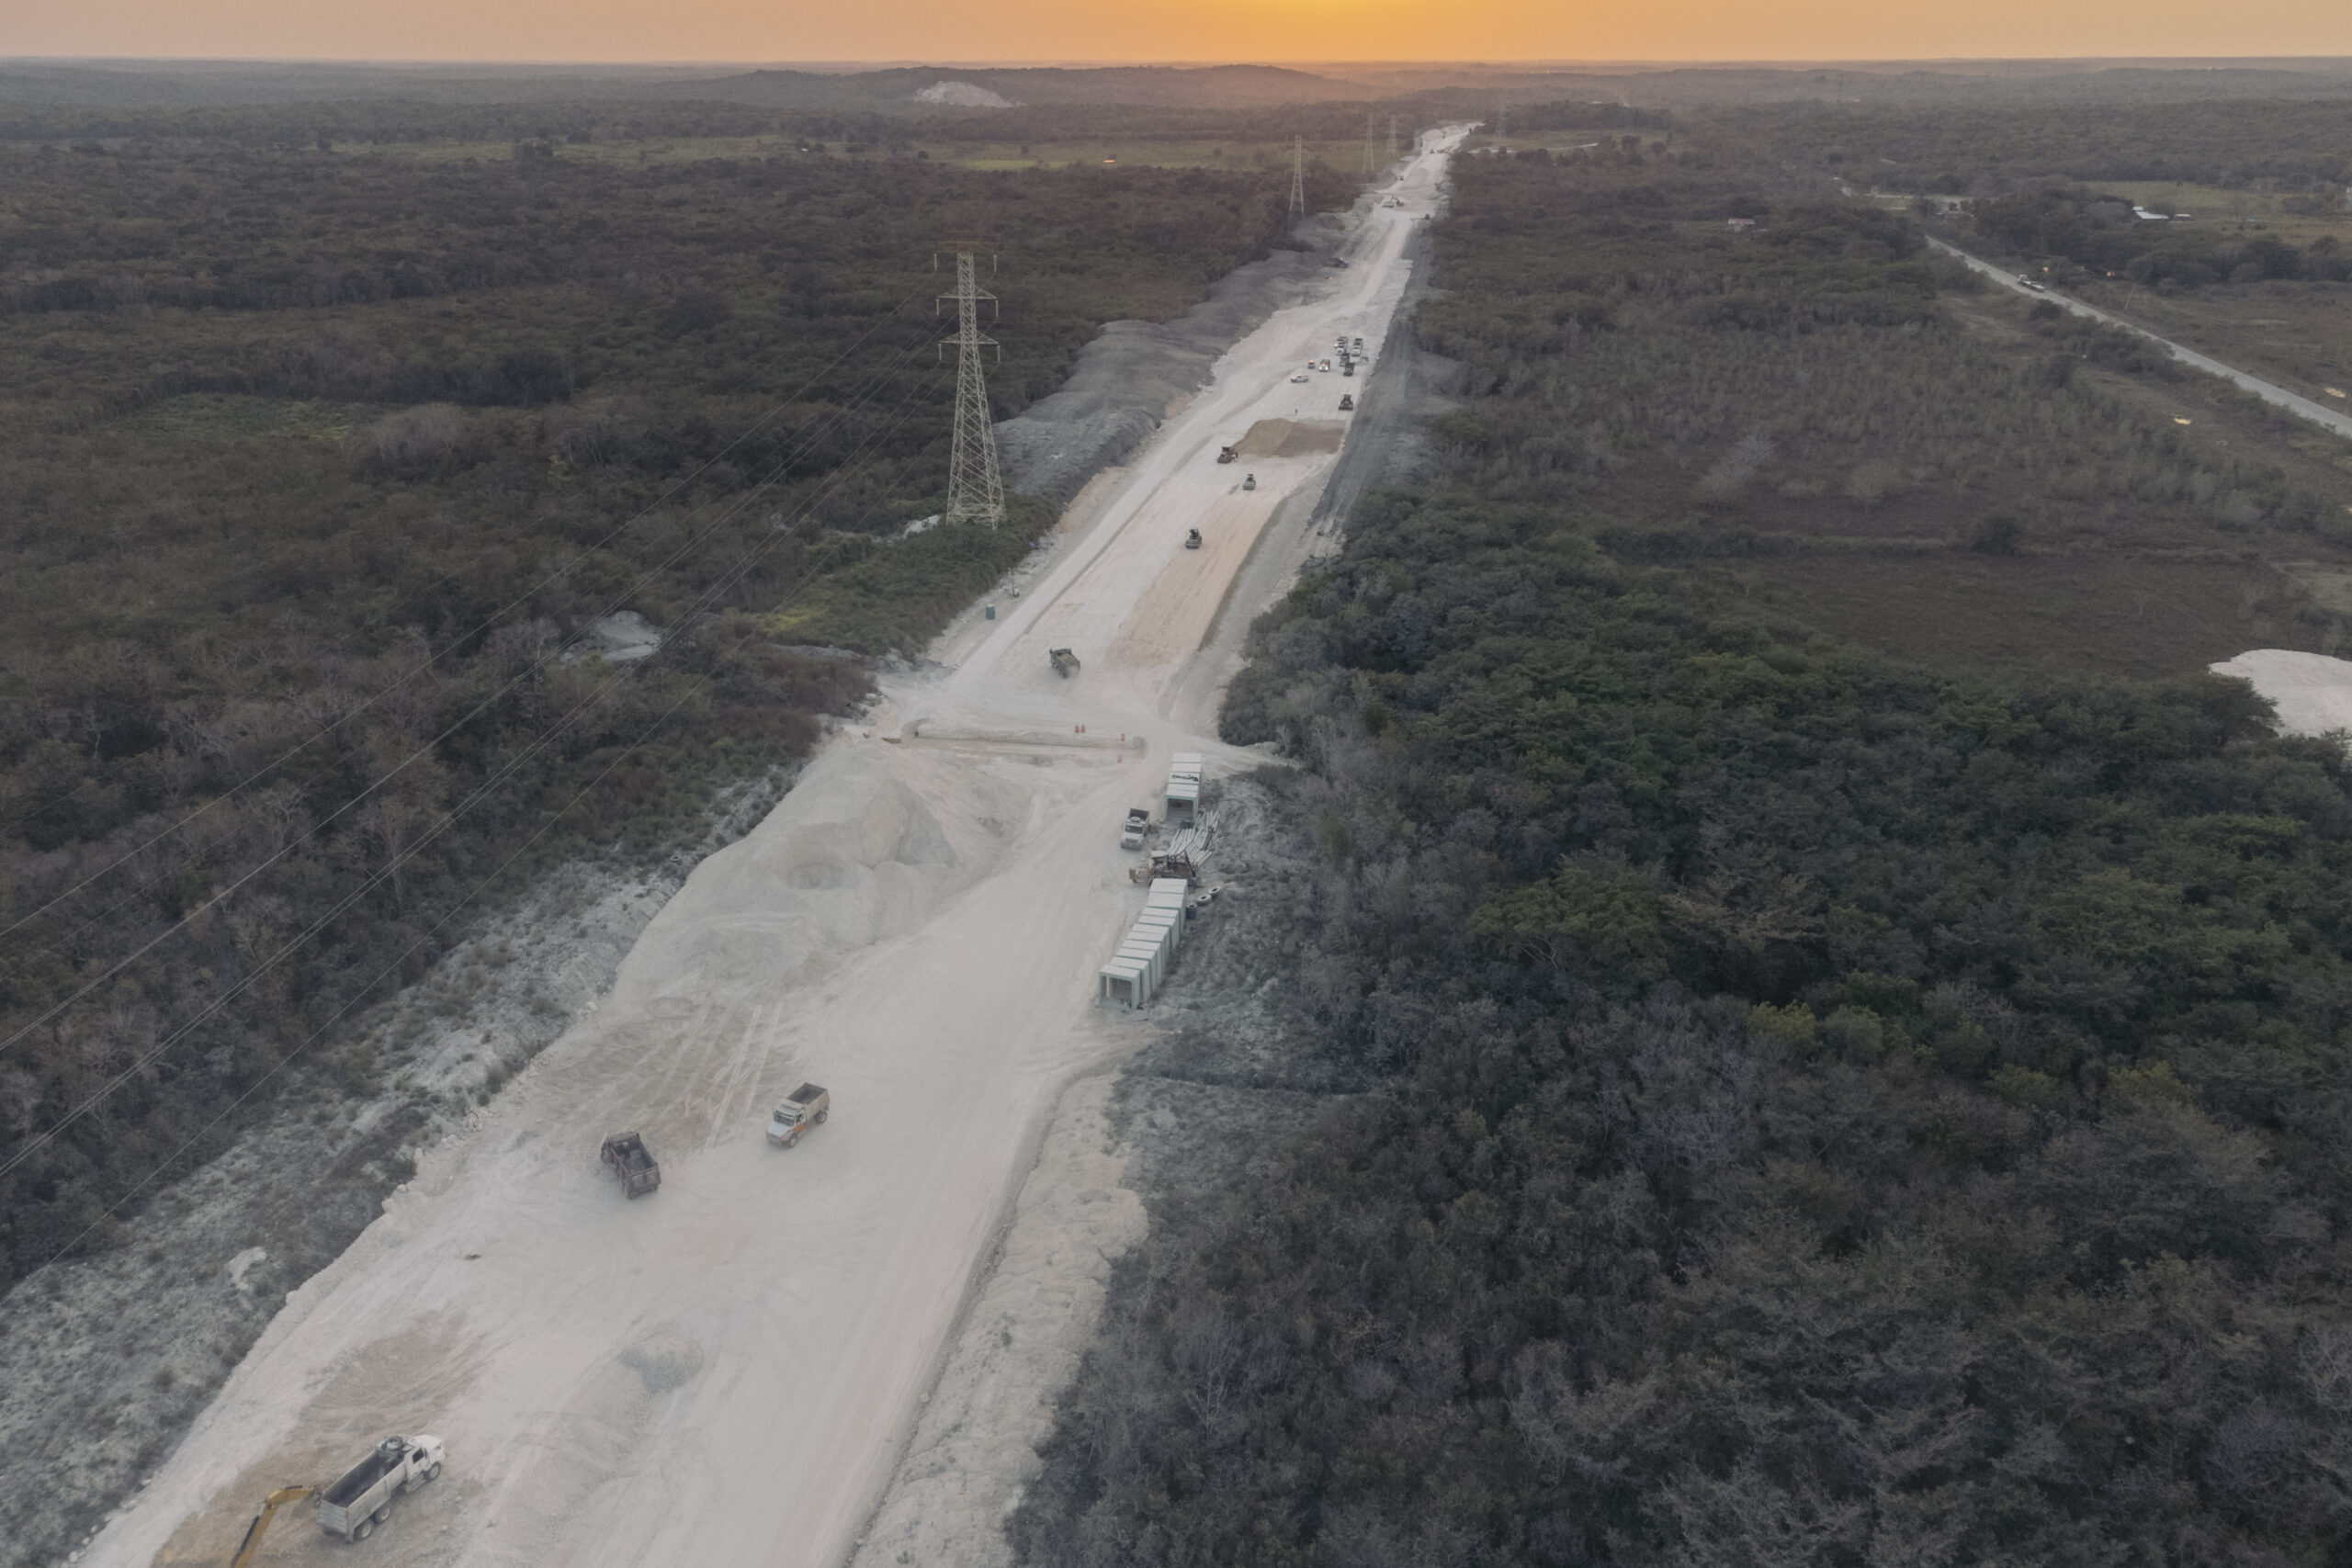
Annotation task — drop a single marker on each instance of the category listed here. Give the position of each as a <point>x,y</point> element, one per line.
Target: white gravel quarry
<point>731,1370</point>
<point>2311,690</point>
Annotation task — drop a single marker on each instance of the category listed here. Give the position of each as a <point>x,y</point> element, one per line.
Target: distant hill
<point>1158,87</point>
<point>132,84</point>
<point>167,85</point>
<point>1984,82</point>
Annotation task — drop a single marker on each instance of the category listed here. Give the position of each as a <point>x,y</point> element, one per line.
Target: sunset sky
<point>1189,30</point>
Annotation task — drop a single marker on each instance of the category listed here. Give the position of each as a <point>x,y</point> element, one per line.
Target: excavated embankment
<point>1134,372</point>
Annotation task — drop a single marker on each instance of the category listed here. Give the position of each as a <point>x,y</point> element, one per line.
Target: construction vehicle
<point>1138,825</point>
<point>804,1108</point>
<point>250,1545</point>
<point>630,1159</point>
<point>354,1507</point>
<point>1227,454</point>
<point>1248,481</point>
<point>1347,402</point>
<point>1351,368</point>
<point>1065,663</point>
<point>1193,540</point>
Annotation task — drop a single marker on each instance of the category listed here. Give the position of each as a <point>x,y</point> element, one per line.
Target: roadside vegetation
<point>323,462</point>
<point>1858,1077</point>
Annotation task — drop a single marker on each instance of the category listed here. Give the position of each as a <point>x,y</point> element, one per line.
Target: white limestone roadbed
<point>2269,391</point>
<point>726,1371</point>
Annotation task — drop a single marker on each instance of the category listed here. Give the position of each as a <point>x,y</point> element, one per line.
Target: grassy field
<point>2159,593</point>
<point>1125,151</point>
<point>2299,335</point>
<point>2226,208</point>
<point>1561,142</point>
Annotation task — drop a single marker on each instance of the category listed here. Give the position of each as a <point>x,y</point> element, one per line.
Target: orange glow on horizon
<point>586,31</point>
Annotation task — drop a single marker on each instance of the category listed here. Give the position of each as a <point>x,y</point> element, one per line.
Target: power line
<point>335,723</point>
<point>409,851</point>
<point>389,970</point>
<point>863,393</point>
<point>280,853</point>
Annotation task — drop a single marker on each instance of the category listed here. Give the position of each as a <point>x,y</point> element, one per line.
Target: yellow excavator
<point>260,1527</point>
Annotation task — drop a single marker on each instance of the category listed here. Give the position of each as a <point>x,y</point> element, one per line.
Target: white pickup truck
<point>355,1506</point>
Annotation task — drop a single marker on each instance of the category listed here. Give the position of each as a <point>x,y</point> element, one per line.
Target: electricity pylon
<point>1368,165</point>
<point>1298,176</point>
<point>975,488</point>
<point>1392,138</point>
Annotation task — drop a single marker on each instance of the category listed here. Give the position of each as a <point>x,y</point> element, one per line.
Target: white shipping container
<point>1123,983</point>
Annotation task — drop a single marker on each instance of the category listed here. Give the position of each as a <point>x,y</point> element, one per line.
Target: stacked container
<point>1134,975</point>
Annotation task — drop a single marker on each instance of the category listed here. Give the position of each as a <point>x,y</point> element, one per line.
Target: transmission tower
<point>975,489</point>
<point>1368,165</point>
<point>1392,138</point>
<point>1298,176</point>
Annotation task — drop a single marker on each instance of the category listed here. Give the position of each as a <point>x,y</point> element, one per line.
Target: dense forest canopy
<point>1828,1107</point>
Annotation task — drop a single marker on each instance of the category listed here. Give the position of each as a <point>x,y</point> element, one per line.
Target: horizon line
<point>969,63</point>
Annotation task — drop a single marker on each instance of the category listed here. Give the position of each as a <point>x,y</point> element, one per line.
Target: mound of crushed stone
<point>1135,373</point>
<point>2311,690</point>
<point>1291,438</point>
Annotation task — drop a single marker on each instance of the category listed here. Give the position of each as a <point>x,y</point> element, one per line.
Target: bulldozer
<point>1193,540</point>
<point>1248,481</point>
<point>1347,402</point>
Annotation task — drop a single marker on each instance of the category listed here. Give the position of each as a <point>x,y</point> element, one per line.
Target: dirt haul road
<point>723,1372</point>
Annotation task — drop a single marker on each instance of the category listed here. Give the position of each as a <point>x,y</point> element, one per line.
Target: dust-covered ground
<point>105,1361</point>
<point>1233,1066</point>
<point>1135,374</point>
<point>507,1297</point>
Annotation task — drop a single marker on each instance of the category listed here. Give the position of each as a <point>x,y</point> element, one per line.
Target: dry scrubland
<point>1779,1018</point>
<point>300,425</point>
<point>1847,1014</point>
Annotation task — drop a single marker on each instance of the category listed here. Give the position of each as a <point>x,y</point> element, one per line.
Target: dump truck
<point>1227,454</point>
<point>1138,824</point>
<point>1065,663</point>
<point>1193,540</point>
<point>362,1500</point>
<point>804,1108</point>
<point>626,1154</point>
